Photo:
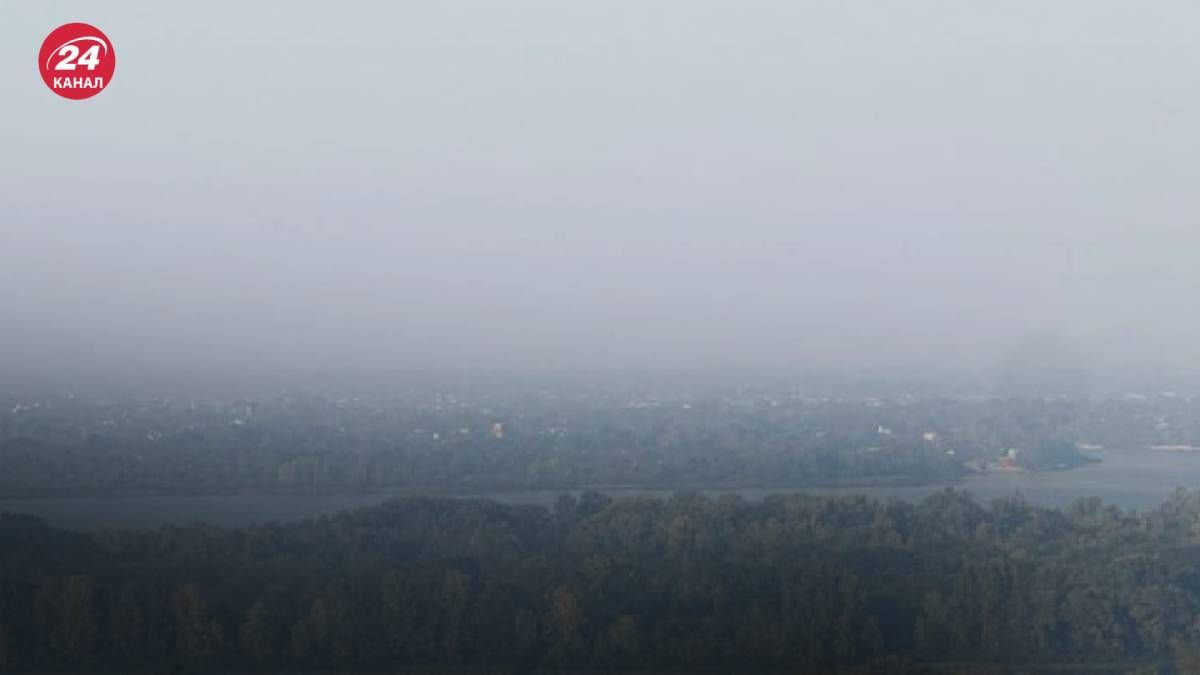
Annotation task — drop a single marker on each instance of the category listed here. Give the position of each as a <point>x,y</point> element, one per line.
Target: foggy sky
<point>603,185</point>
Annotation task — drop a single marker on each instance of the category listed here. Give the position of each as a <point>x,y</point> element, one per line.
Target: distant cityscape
<point>544,438</point>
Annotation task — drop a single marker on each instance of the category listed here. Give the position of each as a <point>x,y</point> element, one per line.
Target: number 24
<point>90,58</point>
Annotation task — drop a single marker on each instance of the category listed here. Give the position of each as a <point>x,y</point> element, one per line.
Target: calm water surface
<point>1137,479</point>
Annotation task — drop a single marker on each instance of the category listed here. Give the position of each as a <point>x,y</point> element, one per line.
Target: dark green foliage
<point>794,582</point>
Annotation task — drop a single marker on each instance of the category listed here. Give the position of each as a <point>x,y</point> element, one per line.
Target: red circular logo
<point>77,60</point>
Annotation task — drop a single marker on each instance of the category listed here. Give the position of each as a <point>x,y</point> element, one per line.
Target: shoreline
<point>446,491</point>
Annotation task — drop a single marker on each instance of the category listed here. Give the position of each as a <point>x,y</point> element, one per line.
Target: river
<point>1134,479</point>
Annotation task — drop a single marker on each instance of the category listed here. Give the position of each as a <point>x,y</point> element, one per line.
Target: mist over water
<point>566,337</point>
<point>1130,480</point>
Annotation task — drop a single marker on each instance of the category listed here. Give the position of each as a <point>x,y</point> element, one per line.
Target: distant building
<point>497,430</point>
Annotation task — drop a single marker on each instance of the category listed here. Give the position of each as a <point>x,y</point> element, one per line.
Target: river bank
<point>1132,479</point>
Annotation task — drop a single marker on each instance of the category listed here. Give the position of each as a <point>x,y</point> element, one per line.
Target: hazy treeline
<point>794,582</point>
<point>766,439</point>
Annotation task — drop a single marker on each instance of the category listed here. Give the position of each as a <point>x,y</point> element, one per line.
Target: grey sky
<point>602,184</point>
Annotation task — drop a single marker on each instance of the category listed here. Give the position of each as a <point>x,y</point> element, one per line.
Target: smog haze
<point>541,185</point>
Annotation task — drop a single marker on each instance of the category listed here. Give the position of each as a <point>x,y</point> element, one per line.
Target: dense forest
<point>481,441</point>
<point>797,583</point>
